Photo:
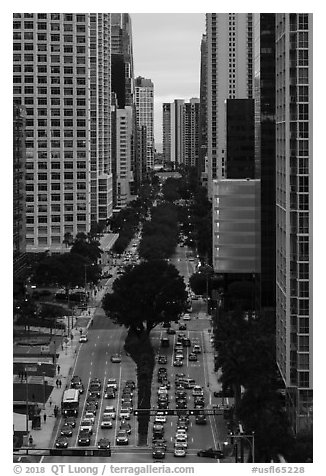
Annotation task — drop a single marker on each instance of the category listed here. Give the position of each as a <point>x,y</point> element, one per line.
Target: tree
<point>68,239</point>
<point>67,270</point>
<point>146,295</point>
<point>86,246</point>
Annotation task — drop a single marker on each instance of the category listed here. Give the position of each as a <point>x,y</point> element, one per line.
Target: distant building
<point>124,175</point>
<point>294,276</point>
<point>191,133</point>
<point>203,106</point>
<point>144,89</point>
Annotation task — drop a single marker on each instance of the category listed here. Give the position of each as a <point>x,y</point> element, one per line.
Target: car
<point>124,425</point>
<point>200,420</point>
<point>182,327</point>
<point>61,442</point>
<point>96,380</point>
<point>160,419</point>
<point>179,450</point>
<point>186,317</point>
<point>126,397</point>
<point>109,392</point>
<point>181,431</point>
<point>186,342</point>
<point>95,387</point>
<point>158,452</point>
<point>180,394</point>
<point>87,424</point>
<point>70,421</point>
<point>116,359</point>
<point>181,336</point>
<point>131,384</point>
<point>162,405</point>
<point>92,399</point>
<point>124,414</point>
<point>91,407</point>
<point>84,438</point>
<point>122,438</point>
<point>112,383</point>
<point>158,430</point>
<point>110,411</point>
<point>89,416</point>
<point>162,359</point>
<point>177,363</point>
<point>162,390</point>
<point>78,386</point>
<point>166,383</point>
<point>211,453</point>
<point>170,331</point>
<point>179,352</point>
<point>181,404</point>
<point>66,430</point>
<point>103,443</point>
<point>192,357</point>
<point>159,442</point>
<point>83,338</point>
<point>162,370</point>
<point>196,349</point>
<point>181,440</point>
<point>106,422</point>
<point>197,390</point>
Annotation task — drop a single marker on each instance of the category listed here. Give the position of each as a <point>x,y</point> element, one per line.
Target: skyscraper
<point>167,131</point>
<point>229,76</point>
<point>62,75</point>
<point>265,157</point>
<point>191,133</point>
<point>144,90</point>
<point>294,212</point>
<point>203,106</point>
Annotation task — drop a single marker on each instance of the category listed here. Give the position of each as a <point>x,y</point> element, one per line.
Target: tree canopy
<point>146,295</point>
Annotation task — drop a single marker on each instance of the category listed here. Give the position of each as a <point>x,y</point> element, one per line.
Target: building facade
<point>167,111</point>
<point>265,158</point>
<point>144,90</point>
<point>19,216</point>
<point>124,175</point>
<point>62,71</point>
<point>236,227</point>
<point>294,319</point>
<point>191,133</point>
<point>203,106</point>
<point>229,39</point>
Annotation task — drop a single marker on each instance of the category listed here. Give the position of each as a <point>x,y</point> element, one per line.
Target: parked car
<point>211,453</point>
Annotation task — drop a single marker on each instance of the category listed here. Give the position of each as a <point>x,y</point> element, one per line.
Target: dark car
<point>201,420</point>
<point>162,405</point>
<point>159,442</point>
<point>61,442</point>
<point>70,421</point>
<point>75,381</point>
<point>162,359</point>
<point>91,407</point>
<point>211,453</point>
<point>109,392</point>
<point>158,452</point>
<point>92,399</point>
<point>182,327</point>
<point>131,384</point>
<point>103,443</point>
<point>170,331</point>
<point>84,438</point>
<point>162,370</point>
<point>158,430</point>
<point>166,382</point>
<point>66,430</point>
<point>181,404</point>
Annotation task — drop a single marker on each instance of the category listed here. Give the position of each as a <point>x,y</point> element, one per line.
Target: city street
<point>93,360</point>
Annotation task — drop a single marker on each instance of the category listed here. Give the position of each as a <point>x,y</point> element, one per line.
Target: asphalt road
<point>93,360</point>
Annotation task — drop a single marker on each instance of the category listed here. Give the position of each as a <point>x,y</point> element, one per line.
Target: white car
<point>112,382</point>
<point>83,338</point>
<point>186,317</point>
<point>86,424</point>
<point>124,414</point>
<point>106,422</point>
<point>162,390</point>
<point>196,349</point>
<point>110,411</point>
<point>197,391</point>
<point>181,432</point>
<point>181,440</point>
<point>89,416</point>
<point>179,450</point>
<point>160,419</point>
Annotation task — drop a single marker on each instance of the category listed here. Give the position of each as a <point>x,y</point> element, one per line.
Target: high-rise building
<point>294,319</point>
<point>19,216</point>
<point>181,132</point>
<point>167,131</point>
<point>191,133</point>
<point>62,71</point>
<point>229,76</point>
<point>265,158</point>
<point>123,155</point>
<point>123,84</point>
<point>144,90</point>
<point>203,106</point>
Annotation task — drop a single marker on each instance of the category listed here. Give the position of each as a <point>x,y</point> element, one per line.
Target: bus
<point>70,402</point>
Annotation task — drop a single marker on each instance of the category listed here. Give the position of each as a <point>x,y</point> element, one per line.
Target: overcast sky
<point>167,50</point>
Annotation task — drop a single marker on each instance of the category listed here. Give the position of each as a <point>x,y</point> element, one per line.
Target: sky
<point>166,49</point>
